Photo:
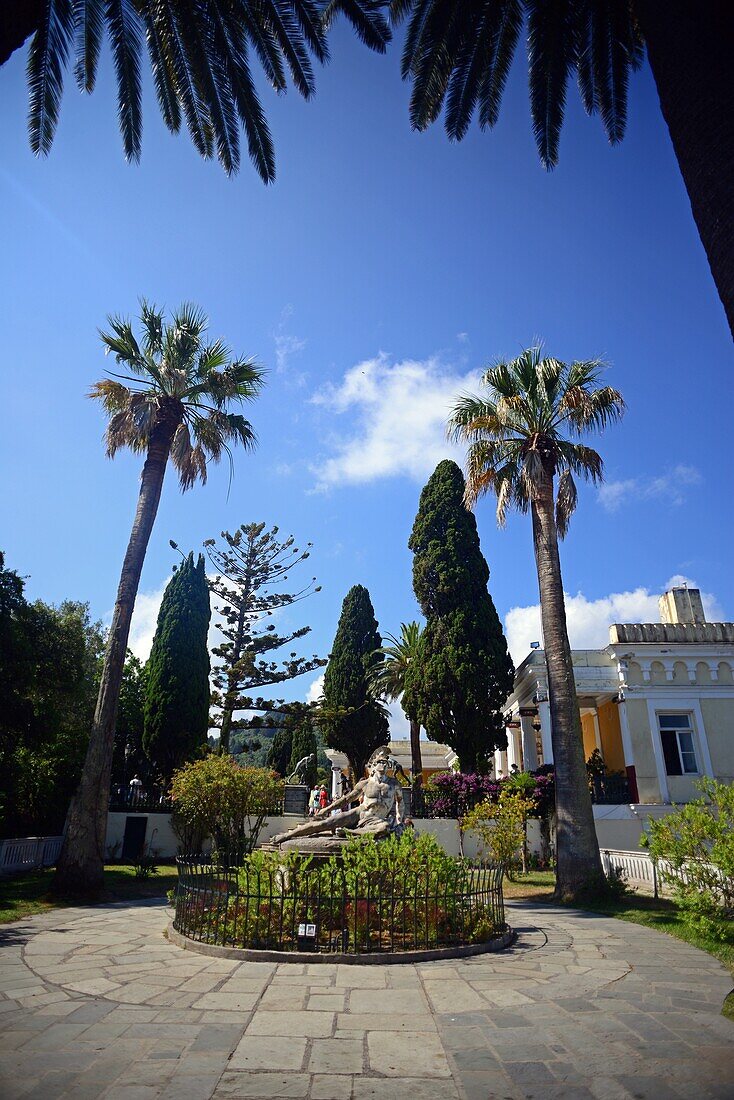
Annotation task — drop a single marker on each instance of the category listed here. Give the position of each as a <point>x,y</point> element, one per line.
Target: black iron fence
<point>329,910</point>
<point>610,790</point>
<point>140,800</point>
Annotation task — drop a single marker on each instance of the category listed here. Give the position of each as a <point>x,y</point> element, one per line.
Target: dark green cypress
<point>352,721</point>
<point>177,674</point>
<point>304,744</point>
<point>464,673</point>
<point>279,754</point>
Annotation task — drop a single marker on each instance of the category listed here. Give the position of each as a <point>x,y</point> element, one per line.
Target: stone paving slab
<point>97,1004</point>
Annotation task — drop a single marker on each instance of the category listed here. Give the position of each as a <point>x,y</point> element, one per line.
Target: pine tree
<point>177,674</point>
<point>304,744</point>
<point>464,674</point>
<point>251,564</point>
<point>352,720</point>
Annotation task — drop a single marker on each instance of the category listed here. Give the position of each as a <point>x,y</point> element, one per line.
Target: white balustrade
<point>27,853</point>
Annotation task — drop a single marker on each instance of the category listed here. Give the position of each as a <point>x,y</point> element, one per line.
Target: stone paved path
<point>97,1003</point>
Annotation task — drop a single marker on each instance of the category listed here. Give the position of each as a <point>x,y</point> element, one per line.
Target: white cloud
<point>287,345</point>
<point>145,617</point>
<point>589,620</point>
<point>669,486</point>
<point>399,413</point>
<point>315,689</point>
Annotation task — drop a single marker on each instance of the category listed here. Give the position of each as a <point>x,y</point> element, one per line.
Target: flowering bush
<point>454,794</point>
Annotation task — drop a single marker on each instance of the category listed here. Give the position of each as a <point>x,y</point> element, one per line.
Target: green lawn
<point>657,913</point>
<point>24,895</point>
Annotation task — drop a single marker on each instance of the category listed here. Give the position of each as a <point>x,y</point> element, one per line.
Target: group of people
<point>319,798</point>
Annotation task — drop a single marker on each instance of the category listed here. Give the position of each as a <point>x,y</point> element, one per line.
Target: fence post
<point>654,877</point>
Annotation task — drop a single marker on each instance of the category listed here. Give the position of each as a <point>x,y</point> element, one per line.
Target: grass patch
<point>25,895</point>
<point>534,886</point>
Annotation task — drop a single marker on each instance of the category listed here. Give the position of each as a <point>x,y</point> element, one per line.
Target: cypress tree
<point>176,716</point>
<point>464,673</point>
<point>279,754</point>
<point>304,744</point>
<point>352,720</point>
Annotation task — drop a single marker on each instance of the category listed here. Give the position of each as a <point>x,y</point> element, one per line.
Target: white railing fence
<point>28,853</point>
<point>636,867</point>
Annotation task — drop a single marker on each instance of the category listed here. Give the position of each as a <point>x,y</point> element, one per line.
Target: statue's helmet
<point>382,752</point>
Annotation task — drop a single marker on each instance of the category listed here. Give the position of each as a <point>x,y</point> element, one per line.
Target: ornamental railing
<point>140,800</point>
<point>610,790</point>
<point>324,910</point>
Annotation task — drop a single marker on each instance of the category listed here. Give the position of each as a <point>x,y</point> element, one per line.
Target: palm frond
<point>88,25</point>
<point>366,19</point>
<point>551,57</point>
<point>125,33</point>
<point>114,396</point>
<point>162,67</point>
<point>46,62</point>
<point>172,36</point>
<point>444,32</point>
<point>420,10</point>
<point>285,31</point>
<point>207,49</point>
<point>566,499</point>
<point>614,50</point>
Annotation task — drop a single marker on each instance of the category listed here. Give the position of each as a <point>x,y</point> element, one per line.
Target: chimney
<point>681,605</point>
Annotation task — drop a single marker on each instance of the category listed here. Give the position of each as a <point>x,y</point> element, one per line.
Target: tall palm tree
<point>458,55</point>
<point>170,402</point>
<point>390,679</point>
<point>199,54</point>
<point>523,433</point>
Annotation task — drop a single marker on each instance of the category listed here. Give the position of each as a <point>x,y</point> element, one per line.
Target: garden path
<point>97,1003</point>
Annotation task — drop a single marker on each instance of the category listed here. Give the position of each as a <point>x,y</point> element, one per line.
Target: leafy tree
<point>304,744</point>
<point>351,719</point>
<point>459,55</point>
<point>390,679</point>
<point>176,716</point>
<point>217,798</point>
<point>522,433</point>
<point>49,670</point>
<point>129,758</point>
<point>175,406</point>
<point>251,566</point>
<point>463,673</point>
<point>200,53</point>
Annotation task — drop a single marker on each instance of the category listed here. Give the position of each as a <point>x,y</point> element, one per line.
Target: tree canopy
<point>351,719</point>
<point>463,674</point>
<point>177,675</point>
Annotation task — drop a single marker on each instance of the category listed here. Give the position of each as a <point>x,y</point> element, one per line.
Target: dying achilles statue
<point>299,772</point>
<point>378,814</point>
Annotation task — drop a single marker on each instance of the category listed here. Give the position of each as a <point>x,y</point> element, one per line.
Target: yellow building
<point>657,702</point>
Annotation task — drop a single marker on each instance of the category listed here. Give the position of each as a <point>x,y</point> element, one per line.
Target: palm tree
<point>389,679</point>
<point>199,54</point>
<point>171,402</point>
<point>458,55</point>
<point>521,438</point>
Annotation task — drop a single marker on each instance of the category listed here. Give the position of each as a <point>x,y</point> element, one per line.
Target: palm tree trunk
<point>689,46</point>
<point>80,870</point>
<point>579,870</point>
<point>416,763</point>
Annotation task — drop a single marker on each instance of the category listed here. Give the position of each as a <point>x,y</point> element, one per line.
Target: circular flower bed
<point>394,896</point>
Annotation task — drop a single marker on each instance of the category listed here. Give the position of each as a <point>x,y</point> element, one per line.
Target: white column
<point>513,755</point>
<point>545,732</point>
<point>336,782</point>
<point>529,751</point>
<point>597,734</point>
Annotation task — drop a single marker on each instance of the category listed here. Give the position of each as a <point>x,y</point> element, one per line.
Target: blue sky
<point>378,275</point>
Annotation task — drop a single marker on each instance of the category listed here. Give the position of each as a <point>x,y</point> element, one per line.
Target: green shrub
<point>694,849</point>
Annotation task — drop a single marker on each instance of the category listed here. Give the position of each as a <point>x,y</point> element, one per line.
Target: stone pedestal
<point>295,799</point>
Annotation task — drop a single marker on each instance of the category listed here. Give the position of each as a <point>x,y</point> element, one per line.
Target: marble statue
<point>378,814</point>
<point>300,769</point>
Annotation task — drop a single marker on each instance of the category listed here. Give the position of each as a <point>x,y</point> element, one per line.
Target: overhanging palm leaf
<point>458,54</point>
<point>199,53</point>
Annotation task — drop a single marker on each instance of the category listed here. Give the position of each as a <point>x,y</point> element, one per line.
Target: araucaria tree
<point>171,400</point>
<point>390,679</point>
<point>463,673</point>
<point>351,719</point>
<point>177,675</point>
<point>523,433</point>
<point>250,566</point>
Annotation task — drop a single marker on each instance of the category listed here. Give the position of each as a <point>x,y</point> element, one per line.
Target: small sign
<point>306,937</point>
